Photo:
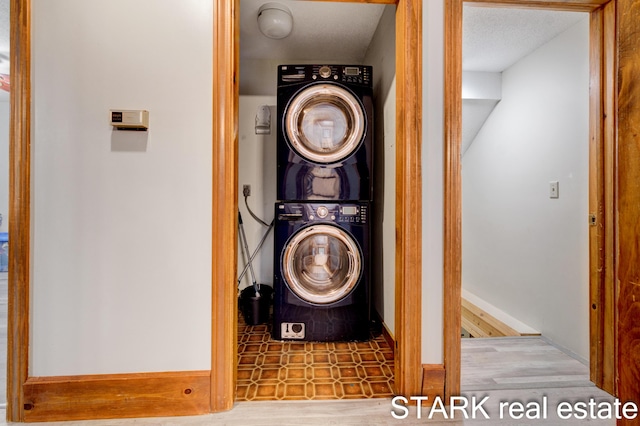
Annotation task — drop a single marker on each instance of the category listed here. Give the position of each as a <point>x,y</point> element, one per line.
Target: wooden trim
<point>481,324</point>
<point>601,197</point>
<point>19,207</point>
<point>362,1</point>
<point>113,396</point>
<point>602,136</point>
<point>596,177</point>
<point>566,5</point>
<point>627,201</point>
<point>224,204</point>
<point>408,196</point>
<point>433,377</point>
<point>224,310</point>
<point>452,195</point>
<point>386,334</point>
<point>609,124</point>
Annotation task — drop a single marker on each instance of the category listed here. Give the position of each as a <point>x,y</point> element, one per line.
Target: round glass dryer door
<point>324,123</point>
<point>321,264</point>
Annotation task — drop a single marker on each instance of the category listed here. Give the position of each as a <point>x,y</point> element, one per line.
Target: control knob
<point>322,212</point>
<point>324,71</point>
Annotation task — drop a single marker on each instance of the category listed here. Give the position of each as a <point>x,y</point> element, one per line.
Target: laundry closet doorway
<point>225,199</point>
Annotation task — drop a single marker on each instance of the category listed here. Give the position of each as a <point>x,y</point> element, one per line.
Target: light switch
<point>554,190</point>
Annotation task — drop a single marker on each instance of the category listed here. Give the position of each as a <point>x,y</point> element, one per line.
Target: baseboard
<point>433,376</point>
<point>386,334</point>
<point>111,396</point>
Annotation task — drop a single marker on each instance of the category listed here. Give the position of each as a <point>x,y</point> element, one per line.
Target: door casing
<point>408,197</point>
<point>602,148</point>
<point>408,292</point>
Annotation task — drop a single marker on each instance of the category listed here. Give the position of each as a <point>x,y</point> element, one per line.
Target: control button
<point>311,217</point>
<point>322,212</point>
<point>324,71</point>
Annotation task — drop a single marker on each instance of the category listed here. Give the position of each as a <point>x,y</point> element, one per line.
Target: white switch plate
<point>554,190</point>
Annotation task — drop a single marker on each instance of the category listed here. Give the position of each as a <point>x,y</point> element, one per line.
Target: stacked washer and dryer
<point>322,250</point>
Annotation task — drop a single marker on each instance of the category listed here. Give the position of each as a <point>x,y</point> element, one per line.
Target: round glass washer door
<point>321,264</point>
<point>324,123</point>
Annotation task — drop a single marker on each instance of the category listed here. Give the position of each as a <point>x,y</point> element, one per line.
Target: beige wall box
<point>129,119</point>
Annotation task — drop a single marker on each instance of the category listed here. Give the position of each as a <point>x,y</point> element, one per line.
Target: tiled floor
<point>378,411</point>
<point>274,370</point>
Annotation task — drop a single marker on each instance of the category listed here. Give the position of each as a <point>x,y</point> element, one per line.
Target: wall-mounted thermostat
<point>122,119</point>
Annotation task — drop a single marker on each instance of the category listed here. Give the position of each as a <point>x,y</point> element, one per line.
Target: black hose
<point>253,215</point>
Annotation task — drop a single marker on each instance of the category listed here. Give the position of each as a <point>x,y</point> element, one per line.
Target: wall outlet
<point>554,189</point>
<point>246,190</point>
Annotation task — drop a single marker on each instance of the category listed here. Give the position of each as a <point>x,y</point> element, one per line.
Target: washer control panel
<point>351,74</point>
<point>357,213</point>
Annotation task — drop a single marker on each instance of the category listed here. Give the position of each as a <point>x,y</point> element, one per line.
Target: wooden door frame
<point>408,199</point>
<point>602,170</point>
<point>224,203</point>
<point>19,207</point>
<point>408,225</point>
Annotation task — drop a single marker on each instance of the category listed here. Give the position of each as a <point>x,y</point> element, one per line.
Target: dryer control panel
<point>349,74</point>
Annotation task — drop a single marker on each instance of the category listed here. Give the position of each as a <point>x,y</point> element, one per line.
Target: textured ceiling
<point>496,38</point>
<point>322,31</point>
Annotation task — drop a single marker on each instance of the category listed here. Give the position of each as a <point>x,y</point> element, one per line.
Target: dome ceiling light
<point>275,20</point>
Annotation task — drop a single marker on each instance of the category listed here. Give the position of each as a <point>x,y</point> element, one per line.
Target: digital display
<point>350,210</point>
<point>352,71</point>
<point>116,117</point>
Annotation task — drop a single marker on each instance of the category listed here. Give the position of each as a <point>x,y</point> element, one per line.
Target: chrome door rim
<point>335,96</point>
<point>291,275</point>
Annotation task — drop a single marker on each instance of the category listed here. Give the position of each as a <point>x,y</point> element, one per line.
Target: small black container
<point>256,309</point>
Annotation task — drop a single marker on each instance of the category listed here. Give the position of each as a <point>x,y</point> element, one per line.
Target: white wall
<point>522,251</point>
<point>4,164</point>
<point>381,56</point>
<point>122,220</point>
<point>481,92</point>
<point>257,167</point>
<point>105,302</point>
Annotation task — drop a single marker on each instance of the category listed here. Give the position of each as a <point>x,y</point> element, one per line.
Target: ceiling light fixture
<point>275,20</point>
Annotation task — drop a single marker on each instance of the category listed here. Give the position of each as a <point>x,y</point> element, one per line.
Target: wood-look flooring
<point>518,363</point>
<point>490,368</point>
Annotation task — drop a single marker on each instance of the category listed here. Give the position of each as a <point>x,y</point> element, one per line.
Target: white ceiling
<point>340,32</point>
<point>337,32</point>
<point>496,38</point>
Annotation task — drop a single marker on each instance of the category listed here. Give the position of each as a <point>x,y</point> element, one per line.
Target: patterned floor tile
<point>273,370</point>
